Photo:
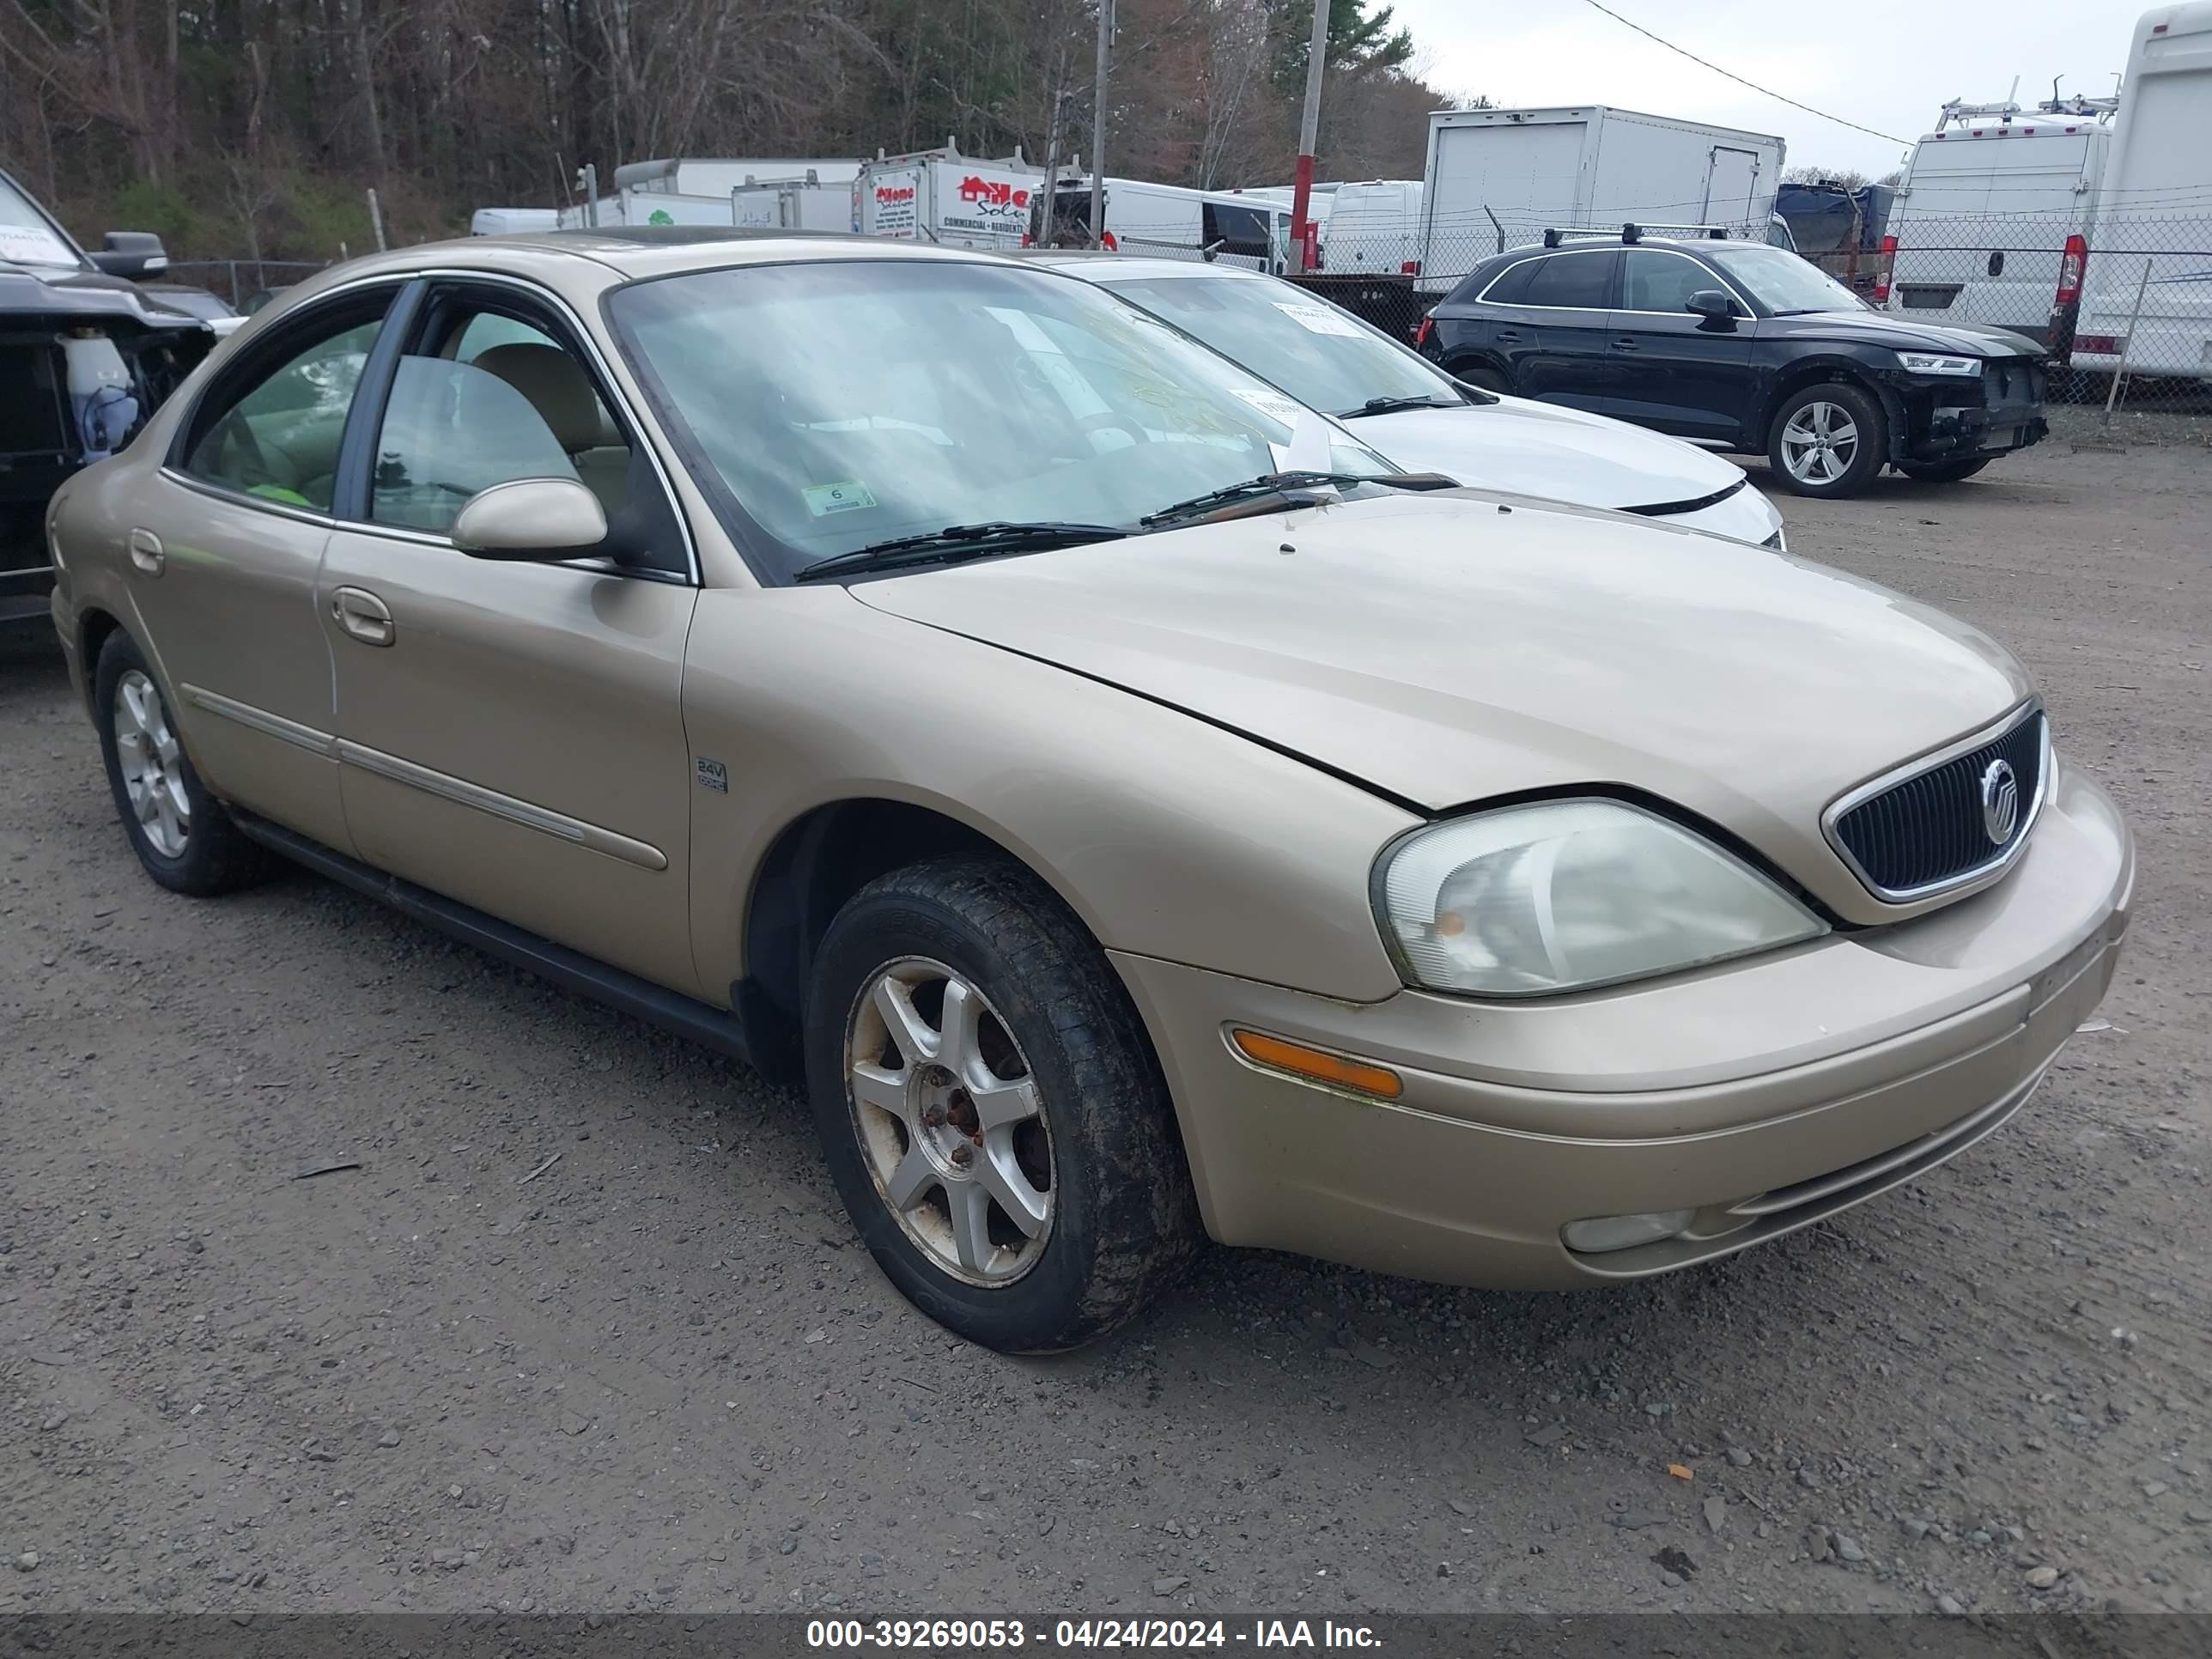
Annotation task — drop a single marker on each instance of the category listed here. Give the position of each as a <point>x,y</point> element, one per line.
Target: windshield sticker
<point>1273,404</point>
<point>823,500</point>
<point>33,245</point>
<point>1318,320</point>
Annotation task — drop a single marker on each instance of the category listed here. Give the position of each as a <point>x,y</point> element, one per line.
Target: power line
<point>1739,80</point>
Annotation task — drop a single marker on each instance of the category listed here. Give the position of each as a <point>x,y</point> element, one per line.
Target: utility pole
<point>1098,127</point>
<point>1309,131</point>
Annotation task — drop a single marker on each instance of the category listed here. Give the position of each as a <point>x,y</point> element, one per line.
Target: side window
<point>1580,281</point>
<point>491,399</point>
<point>1240,230</point>
<point>1511,287</point>
<point>1651,281</point>
<point>274,433</point>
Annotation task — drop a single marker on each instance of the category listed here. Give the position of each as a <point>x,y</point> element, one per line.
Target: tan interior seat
<point>561,391</point>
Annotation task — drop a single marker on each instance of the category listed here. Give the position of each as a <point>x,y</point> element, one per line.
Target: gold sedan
<point>1132,809</point>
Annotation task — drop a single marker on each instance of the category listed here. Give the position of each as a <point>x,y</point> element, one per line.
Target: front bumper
<point>1762,1096</point>
<point>1998,411</point>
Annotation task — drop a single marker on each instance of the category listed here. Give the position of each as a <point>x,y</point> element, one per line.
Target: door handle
<point>146,551</point>
<point>362,615</point>
<point>1626,345</point>
<point>1508,334</point>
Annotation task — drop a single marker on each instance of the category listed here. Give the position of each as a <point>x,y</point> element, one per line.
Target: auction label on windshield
<point>823,500</point>
<point>1319,319</point>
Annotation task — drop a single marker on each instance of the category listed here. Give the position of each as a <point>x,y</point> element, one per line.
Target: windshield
<point>842,404</point>
<point>1323,356</point>
<point>27,237</point>
<point>1781,282</point>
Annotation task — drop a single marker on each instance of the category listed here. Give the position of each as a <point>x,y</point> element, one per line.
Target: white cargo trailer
<point>2147,301</point>
<point>1998,206</point>
<point>941,196</point>
<point>696,175</point>
<point>793,204</point>
<point>1499,177</point>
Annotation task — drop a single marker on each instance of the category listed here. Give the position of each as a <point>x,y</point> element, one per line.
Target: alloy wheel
<point>950,1120</point>
<point>1819,443</point>
<point>153,765</point>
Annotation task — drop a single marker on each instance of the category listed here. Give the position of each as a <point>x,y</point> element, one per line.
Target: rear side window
<point>1581,282</point>
<point>272,430</point>
<point>1511,287</point>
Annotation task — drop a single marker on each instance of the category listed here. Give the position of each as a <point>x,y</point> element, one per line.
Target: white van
<point>1998,207</point>
<point>1374,226</point>
<point>1170,222</point>
<point>2147,303</point>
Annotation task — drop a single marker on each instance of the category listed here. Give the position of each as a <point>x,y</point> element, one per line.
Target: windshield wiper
<point>1271,483</point>
<point>1267,483</point>
<point>1392,405</point>
<point>956,542</point>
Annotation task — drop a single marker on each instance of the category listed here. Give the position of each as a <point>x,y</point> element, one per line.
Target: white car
<point>1417,415</point>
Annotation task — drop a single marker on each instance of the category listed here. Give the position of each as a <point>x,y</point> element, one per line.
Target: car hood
<point>1881,328</point>
<point>1542,449</point>
<point>1448,648</point>
<point>67,296</point>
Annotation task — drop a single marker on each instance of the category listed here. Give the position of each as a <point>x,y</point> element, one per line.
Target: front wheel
<point>990,1110</point>
<point>1942,471</point>
<point>1829,438</point>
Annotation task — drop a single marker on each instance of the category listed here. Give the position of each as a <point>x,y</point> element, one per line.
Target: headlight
<point>1561,896</point>
<point>1936,362</point>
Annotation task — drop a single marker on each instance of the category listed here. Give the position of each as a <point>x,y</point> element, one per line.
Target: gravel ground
<point>662,1375</point>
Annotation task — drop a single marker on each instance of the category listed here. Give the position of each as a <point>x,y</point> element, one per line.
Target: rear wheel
<point>1829,439</point>
<point>1488,379</point>
<point>990,1109</point>
<point>180,833</point>
<point>1942,471</point>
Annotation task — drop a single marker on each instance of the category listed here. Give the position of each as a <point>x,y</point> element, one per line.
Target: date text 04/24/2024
<point>938,1634</point>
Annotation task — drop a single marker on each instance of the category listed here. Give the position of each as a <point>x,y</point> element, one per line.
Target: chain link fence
<point>243,284</point>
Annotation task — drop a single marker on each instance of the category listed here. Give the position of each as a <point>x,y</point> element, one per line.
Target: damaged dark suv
<point>1740,346</point>
<point>85,356</point>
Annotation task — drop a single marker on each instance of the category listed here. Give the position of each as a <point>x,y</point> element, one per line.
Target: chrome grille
<point>1918,834</point>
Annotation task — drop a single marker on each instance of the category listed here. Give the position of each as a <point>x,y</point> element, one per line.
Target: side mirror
<point>132,255</point>
<point>530,519</point>
<point>1713,305</point>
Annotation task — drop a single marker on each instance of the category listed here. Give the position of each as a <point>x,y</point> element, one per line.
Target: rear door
<point>224,554</point>
<point>1675,371</point>
<point>1567,303</point>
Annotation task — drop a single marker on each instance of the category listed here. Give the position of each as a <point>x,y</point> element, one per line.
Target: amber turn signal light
<point>1279,1054</point>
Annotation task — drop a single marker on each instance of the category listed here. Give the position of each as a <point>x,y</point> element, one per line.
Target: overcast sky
<point>1888,65</point>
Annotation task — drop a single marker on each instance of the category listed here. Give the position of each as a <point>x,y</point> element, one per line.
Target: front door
<point>1675,371</point>
<point>511,733</point>
<point>223,555</point>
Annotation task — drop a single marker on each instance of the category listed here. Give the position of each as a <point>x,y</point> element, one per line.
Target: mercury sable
<point>1133,811</point>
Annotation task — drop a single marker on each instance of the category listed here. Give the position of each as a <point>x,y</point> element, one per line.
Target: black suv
<point>85,356</point>
<point>1743,346</point>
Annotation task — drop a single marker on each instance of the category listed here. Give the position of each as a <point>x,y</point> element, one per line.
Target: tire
<point>1850,411</point>
<point>1489,380</point>
<point>185,839</point>
<point>1118,1219</point>
<point>1942,471</point>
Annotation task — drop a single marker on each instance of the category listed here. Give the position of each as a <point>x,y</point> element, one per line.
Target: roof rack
<point>1630,233</point>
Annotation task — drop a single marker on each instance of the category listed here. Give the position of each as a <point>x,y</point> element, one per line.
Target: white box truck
<point>941,196</point>
<point>1998,206</point>
<point>793,204</point>
<point>2146,298</point>
<point>1251,228</point>
<point>1497,178</point>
